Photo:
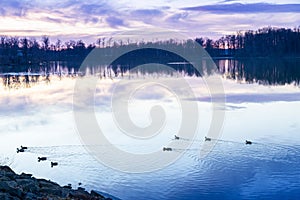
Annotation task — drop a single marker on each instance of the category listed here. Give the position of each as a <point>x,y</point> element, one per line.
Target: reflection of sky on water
<point>268,168</point>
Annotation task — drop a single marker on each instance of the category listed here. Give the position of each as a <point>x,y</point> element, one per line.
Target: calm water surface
<point>267,169</point>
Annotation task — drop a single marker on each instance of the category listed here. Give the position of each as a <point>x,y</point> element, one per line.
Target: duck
<point>207,139</point>
<point>176,137</point>
<point>54,164</point>
<point>24,147</point>
<point>248,142</point>
<point>167,149</point>
<point>42,159</point>
<point>20,150</point>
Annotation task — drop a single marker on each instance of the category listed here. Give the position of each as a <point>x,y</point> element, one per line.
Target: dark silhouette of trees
<point>265,42</point>
<point>46,42</point>
<point>19,54</point>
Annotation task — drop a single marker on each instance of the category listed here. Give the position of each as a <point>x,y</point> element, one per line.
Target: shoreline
<point>25,186</point>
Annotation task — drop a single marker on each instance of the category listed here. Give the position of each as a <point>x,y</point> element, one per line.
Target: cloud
<point>95,9</point>
<point>15,7</point>
<point>247,8</point>
<point>51,19</point>
<point>226,1</point>
<point>2,12</point>
<point>19,31</point>
<point>175,18</point>
<point>114,21</point>
<point>97,13</point>
<point>146,16</point>
<point>93,20</point>
<point>147,12</point>
<point>76,19</point>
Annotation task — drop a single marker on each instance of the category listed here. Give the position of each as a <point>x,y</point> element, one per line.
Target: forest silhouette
<point>266,42</point>
<point>268,55</point>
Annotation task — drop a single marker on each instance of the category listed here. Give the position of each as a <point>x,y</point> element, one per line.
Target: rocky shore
<point>24,186</point>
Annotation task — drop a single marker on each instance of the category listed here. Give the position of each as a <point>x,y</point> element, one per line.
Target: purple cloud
<point>147,12</point>
<point>51,19</point>
<point>177,17</point>
<point>14,8</point>
<point>95,9</point>
<point>247,8</point>
<point>114,21</point>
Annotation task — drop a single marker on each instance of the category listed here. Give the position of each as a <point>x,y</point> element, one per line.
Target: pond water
<point>41,117</point>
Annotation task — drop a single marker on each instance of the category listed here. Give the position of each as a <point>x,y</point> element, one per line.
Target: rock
<point>44,183</point>
<point>80,194</point>
<point>28,185</point>
<point>11,184</point>
<point>95,194</point>
<point>30,196</point>
<point>7,196</point>
<point>7,172</point>
<point>9,175</point>
<point>24,186</point>
<point>25,176</point>
<point>11,188</point>
<point>81,189</point>
<point>4,186</point>
<point>51,191</point>
<point>65,192</point>
<point>6,169</point>
<point>67,187</point>
<point>17,193</point>
<point>4,178</point>
<point>106,195</point>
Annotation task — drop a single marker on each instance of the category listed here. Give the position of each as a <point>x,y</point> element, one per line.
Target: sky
<point>89,20</point>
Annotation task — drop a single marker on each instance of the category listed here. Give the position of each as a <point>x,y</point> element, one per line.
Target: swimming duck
<point>42,159</point>
<point>20,150</point>
<point>167,149</point>
<point>248,142</point>
<point>54,164</point>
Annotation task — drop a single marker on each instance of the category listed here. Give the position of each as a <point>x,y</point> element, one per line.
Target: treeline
<point>266,42</point>
<point>16,51</point>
